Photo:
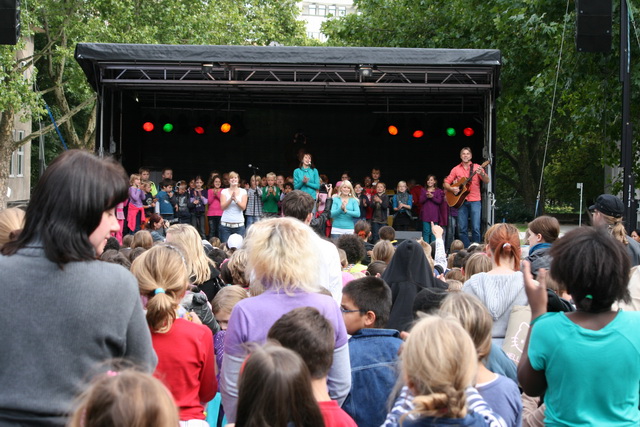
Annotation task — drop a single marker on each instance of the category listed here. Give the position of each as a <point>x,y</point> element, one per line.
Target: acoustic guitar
<point>464,184</point>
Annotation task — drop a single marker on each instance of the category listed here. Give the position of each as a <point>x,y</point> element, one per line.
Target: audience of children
<point>280,268</point>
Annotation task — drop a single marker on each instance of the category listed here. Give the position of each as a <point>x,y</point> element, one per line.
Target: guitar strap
<point>470,169</point>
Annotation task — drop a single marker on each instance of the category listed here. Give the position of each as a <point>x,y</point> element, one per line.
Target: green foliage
<point>585,125</point>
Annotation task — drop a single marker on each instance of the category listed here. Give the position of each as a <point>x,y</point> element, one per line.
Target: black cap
<point>608,204</point>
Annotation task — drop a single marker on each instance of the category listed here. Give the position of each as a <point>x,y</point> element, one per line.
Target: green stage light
<point>168,127</point>
<point>451,132</point>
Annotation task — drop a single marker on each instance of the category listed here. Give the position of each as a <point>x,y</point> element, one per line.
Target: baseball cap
<point>608,204</point>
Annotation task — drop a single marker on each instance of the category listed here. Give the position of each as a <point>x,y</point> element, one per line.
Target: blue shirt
<point>374,356</point>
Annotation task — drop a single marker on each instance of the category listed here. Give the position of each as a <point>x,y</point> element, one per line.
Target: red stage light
<point>148,126</point>
<point>392,130</point>
<point>199,130</point>
<point>418,134</point>
<point>225,127</point>
<point>468,131</point>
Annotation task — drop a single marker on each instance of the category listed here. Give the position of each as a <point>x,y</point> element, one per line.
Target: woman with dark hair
<point>79,311</point>
<point>585,362</point>
<point>407,274</point>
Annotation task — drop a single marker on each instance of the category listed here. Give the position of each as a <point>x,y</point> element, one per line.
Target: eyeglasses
<point>344,310</point>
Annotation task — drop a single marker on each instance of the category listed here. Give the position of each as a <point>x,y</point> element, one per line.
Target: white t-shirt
<point>233,213</point>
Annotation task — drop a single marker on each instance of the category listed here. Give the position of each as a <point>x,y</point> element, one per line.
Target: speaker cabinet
<point>593,25</point>
<point>9,21</point>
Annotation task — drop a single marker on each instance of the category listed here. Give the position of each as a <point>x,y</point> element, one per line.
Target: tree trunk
<point>7,146</point>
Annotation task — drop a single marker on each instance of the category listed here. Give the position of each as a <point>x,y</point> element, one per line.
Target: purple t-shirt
<point>252,317</point>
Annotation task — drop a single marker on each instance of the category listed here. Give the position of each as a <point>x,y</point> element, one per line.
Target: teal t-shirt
<point>593,377</point>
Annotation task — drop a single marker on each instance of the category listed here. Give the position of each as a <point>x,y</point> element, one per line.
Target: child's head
<point>144,173</point>
<point>162,277</point>
<point>353,246</point>
<point>460,258</point>
<point>288,187</point>
<point>381,188</point>
<point>271,179</point>
<point>387,233</point>
<point>127,240</point>
<point>166,185</point>
<point>456,245</point>
<point>188,240</point>
<point>199,182</point>
<point>454,285</point>
<point>237,268</point>
<point>431,181</point>
<point>402,187</point>
<point>428,301</point>
<point>142,239</point>
<point>367,181</point>
<point>383,251</point>
<point>504,242</point>
<point>279,180</point>
<point>224,301</point>
<point>362,229</point>
<point>456,273</point>
<point>343,258</point>
<point>477,262</point>
<point>134,179</point>
<point>439,362</point>
<point>255,181</point>
<point>308,333</point>
<point>544,229</point>
<point>376,268</point>
<point>11,222</point>
<point>274,388</point>
<point>145,186</point>
<point>181,186</point>
<point>366,303</point>
<point>592,266</point>
<point>115,257</point>
<point>357,188</point>
<point>474,318</point>
<point>375,174</point>
<point>127,398</point>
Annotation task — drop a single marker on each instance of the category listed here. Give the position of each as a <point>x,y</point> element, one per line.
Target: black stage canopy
<point>335,96</point>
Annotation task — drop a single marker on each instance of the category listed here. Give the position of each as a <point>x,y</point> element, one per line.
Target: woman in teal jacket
<point>344,210</point>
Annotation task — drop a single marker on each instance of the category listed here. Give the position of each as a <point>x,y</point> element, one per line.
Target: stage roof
<point>186,76</point>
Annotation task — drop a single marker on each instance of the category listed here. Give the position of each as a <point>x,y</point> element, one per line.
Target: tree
<point>529,35</point>
<point>59,25</point>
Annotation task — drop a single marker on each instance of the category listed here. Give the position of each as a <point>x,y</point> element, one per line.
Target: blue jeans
<point>225,232</point>
<point>427,234</point>
<point>251,219</point>
<point>469,210</point>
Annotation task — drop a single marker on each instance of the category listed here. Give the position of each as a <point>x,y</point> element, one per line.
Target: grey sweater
<point>57,327</point>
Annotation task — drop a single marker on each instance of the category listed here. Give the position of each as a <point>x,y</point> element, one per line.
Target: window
<point>20,161</point>
<point>332,10</point>
<point>312,9</point>
<point>12,165</point>
<point>342,11</point>
<point>322,10</point>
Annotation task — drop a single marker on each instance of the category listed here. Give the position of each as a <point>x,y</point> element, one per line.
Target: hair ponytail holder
<point>506,245</point>
<point>158,291</point>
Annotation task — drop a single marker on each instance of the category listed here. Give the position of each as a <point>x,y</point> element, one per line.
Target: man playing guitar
<point>472,207</point>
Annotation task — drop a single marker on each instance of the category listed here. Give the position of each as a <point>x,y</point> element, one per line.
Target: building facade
<point>314,13</point>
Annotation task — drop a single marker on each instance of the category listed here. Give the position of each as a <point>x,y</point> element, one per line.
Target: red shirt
<point>186,365</point>
<point>334,415</point>
<point>460,172</point>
